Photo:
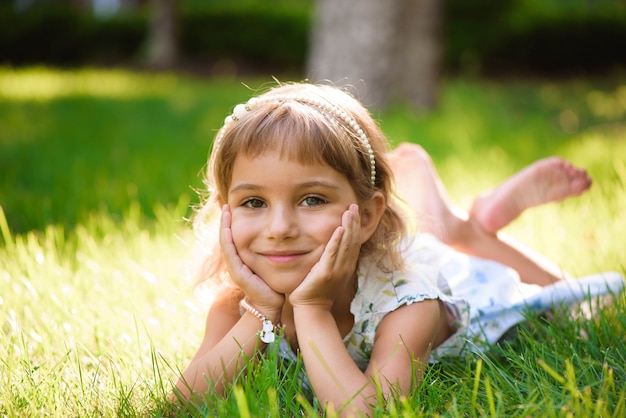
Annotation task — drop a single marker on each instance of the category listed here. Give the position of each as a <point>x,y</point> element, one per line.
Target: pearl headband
<point>240,110</point>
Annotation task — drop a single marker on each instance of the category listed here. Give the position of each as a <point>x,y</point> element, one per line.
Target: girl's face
<point>283,214</point>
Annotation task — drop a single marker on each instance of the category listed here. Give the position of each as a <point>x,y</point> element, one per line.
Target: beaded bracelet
<point>267,333</point>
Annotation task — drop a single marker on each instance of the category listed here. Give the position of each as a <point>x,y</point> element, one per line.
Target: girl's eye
<point>313,201</point>
<point>254,203</point>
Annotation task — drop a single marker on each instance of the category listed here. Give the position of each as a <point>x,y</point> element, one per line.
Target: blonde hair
<point>309,135</point>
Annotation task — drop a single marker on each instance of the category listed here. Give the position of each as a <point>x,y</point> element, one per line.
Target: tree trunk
<point>419,59</point>
<point>162,36</point>
<point>388,50</point>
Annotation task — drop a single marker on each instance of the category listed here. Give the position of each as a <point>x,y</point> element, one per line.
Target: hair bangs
<point>296,132</point>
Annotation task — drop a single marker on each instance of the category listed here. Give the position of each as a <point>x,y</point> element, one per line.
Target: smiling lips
<point>283,257</point>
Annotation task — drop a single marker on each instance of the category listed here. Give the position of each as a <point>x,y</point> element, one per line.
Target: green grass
<point>97,170</point>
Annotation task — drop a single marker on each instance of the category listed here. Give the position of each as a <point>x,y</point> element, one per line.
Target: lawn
<point>97,176</point>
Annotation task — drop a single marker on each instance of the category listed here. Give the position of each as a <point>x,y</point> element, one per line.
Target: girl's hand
<point>258,293</point>
<point>335,271</point>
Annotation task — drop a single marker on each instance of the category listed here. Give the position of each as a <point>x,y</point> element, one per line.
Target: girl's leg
<point>421,188</point>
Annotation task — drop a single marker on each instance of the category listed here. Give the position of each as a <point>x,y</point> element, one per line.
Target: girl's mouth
<point>282,257</point>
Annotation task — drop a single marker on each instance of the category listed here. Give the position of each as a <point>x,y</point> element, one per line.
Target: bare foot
<point>548,180</point>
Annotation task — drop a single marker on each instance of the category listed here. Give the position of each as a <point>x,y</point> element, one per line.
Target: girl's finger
<point>234,264</point>
<point>326,263</point>
<point>356,223</point>
<point>226,235</point>
<point>350,221</point>
<point>225,220</point>
<point>334,243</point>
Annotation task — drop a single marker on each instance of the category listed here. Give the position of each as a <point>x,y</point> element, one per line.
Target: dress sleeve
<point>380,293</point>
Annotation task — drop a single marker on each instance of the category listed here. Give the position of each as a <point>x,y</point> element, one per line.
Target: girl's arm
<point>403,342</point>
<point>229,339</point>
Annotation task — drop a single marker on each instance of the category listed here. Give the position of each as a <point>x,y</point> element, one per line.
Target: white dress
<point>485,298</point>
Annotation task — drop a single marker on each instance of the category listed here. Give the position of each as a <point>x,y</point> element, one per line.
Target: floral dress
<point>484,298</point>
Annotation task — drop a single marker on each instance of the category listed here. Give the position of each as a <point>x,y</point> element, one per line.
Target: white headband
<point>240,110</point>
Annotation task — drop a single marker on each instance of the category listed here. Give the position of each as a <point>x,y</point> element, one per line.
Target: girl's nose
<point>282,223</point>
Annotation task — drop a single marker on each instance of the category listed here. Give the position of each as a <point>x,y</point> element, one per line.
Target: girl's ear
<point>372,211</point>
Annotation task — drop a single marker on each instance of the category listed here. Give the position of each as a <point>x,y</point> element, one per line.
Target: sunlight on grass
<point>99,312</point>
<point>584,235</point>
<point>611,106</point>
<point>44,84</point>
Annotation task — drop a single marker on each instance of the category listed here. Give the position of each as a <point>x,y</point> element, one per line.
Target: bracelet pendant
<point>267,333</point>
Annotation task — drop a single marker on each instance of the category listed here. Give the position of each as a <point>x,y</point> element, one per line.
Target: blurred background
<point>105,104</point>
<point>238,37</point>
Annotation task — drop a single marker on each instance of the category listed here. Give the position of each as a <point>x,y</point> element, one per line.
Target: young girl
<point>312,242</point>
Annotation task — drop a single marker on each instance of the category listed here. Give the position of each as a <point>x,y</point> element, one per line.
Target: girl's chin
<point>284,290</point>
<point>284,285</point>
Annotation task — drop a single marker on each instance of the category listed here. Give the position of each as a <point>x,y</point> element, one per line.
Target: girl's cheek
<point>332,225</point>
<point>239,229</point>
<point>235,229</point>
